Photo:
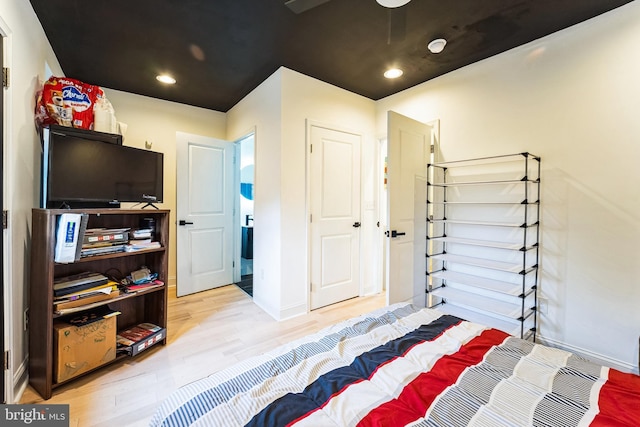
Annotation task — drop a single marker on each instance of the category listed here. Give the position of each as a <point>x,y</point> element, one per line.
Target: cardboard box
<point>82,348</point>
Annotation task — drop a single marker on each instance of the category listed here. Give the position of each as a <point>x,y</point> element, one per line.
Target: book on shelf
<point>69,236</point>
<point>99,288</point>
<point>140,286</point>
<point>102,244</point>
<point>91,316</point>
<point>138,245</point>
<point>81,308</point>
<point>97,235</point>
<point>79,282</point>
<point>138,338</point>
<point>86,296</point>
<point>142,233</point>
<point>102,250</point>
<point>85,300</point>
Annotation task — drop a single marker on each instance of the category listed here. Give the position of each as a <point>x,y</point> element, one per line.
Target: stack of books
<point>139,338</point>
<point>75,241</point>
<point>141,238</point>
<point>142,233</point>
<point>81,289</point>
<point>136,245</point>
<point>100,241</point>
<point>134,287</point>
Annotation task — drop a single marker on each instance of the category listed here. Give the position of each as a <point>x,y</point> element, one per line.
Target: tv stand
<point>65,204</point>
<point>146,305</point>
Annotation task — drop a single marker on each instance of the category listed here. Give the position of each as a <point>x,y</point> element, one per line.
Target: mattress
<point>405,365</point>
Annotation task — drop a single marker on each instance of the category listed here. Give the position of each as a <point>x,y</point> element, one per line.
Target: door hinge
<point>5,77</point>
<point>310,217</point>
<point>5,219</point>
<point>311,148</point>
<point>6,360</point>
<point>433,149</point>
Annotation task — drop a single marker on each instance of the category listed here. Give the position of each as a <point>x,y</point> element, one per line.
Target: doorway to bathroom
<point>247,178</point>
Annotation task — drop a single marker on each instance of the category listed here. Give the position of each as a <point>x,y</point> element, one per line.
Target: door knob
<point>183,222</point>
<point>356,224</point>
<point>394,233</point>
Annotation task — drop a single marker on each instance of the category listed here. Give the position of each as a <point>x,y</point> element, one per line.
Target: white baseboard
<point>20,382</point>
<point>172,282</point>
<point>293,311</point>
<point>271,311</point>
<point>588,354</point>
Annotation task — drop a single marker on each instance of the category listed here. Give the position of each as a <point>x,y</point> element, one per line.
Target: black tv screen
<point>81,172</point>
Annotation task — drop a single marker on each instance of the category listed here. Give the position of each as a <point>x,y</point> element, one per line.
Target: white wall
<point>157,121</point>
<point>572,98</point>
<point>279,110</point>
<point>260,112</point>
<point>305,99</point>
<point>26,51</point>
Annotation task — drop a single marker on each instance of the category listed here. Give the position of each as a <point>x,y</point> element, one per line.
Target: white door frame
<point>308,125</point>
<point>14,374</point>
<point>381,240</point>
<point>237,220</point>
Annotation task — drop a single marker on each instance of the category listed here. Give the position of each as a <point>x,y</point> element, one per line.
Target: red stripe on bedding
<point>619,401</point>
<point>417,396</point>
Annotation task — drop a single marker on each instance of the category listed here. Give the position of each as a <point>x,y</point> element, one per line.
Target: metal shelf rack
<point>483,229</point>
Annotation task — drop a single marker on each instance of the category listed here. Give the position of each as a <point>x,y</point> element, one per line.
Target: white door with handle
<point>205,213</point>
<point>408,153</point>
<point>334,215</point>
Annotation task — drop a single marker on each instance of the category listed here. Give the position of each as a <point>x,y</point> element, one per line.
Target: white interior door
<point>408,153</point>
<point>205,209</point>
<point>335,216</point>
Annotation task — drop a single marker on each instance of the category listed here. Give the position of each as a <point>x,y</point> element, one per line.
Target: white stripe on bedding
<point>390,379</point>
<point>346,406</point>
<point>515,399</point>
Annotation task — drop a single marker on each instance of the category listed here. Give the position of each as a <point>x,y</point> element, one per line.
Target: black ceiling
<point>220,50</point>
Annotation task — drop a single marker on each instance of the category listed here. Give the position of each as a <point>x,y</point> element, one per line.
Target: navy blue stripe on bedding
<point>293,406</point>
<point>200,404</point>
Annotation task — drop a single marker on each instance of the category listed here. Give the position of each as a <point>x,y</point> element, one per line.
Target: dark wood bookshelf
<point>146,305</point>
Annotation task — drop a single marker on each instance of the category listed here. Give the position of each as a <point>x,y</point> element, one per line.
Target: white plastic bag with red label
<point>67,102</point>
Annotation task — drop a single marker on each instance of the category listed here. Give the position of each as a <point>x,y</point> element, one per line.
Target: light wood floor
<point>206,332</point>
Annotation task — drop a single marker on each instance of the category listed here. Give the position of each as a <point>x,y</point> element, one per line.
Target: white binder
<point>69,234</point>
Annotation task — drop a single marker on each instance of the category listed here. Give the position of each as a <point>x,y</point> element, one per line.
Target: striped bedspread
<point>401,366</point>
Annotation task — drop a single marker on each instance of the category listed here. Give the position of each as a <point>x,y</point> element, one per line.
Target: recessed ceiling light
<point>393,3</point>
<point>437,45</point>
<point>393,73</point>
<point>164,78</point>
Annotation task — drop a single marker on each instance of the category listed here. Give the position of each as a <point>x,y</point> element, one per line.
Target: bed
<point>405,365</point>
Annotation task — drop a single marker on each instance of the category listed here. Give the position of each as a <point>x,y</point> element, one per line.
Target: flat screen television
<point>89,169</point>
